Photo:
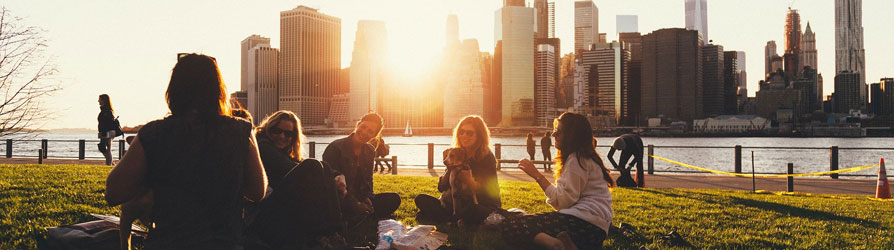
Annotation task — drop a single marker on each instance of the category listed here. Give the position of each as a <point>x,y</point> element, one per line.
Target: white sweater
<point>582,192</point>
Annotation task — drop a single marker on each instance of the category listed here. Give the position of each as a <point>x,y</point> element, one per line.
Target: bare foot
<point>548,242</point>
<point>566,241</point>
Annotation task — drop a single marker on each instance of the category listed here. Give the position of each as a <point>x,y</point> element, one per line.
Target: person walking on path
<point>382,150</point>
<point>630,145</point>
<point>581,194</point>
<point>532,146</point>
<point>545,144</point>
<point>106,127</point>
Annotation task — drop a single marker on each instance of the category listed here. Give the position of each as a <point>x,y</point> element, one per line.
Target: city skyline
<point>89,69</point>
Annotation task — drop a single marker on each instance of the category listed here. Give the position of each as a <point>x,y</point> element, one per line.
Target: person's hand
<point>341,185</point>
<point>366,206</point>
<point>528,167</point>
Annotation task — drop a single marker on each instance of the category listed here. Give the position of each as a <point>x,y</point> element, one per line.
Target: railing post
<point>498,154</point>
<point>651,168</point>
<point>40,156</point>
<point>120,149</point>
<point>8,148</point>
<point>431,155</point>
<point>791,180</point>
<point>394,164</point>
<point>45,146</point>
<point>81,148</point>
<point>833,161</point>
<point>312,149</point>
<point>738,159</point>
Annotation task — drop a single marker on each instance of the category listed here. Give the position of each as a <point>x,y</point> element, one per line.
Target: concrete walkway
<point>818,185</point>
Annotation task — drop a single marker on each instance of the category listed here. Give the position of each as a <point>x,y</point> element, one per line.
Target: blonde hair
<point>482,136</point>
<point>273,120</point>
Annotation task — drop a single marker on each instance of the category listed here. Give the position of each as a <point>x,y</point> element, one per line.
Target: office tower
<point>849,53</point>
<point>263,81</point>
<point>491,94</point>
<point>541,19</point>
<point>545,85</point>
<point>792,66</point>
<point>608,70</point>
<point>627,23</point>
<point>887,98</point>
<point>493,112</point>
<point>847,92</point>
<point>743,76</point>
<point>464,94</point>
<point>697,17</point>
<point>602,38</point>
<point>248,43</point>
<point>565,91</point>
<point>310,61</point>
<point>713,80</point>
<point>552,19</point>
<point>876,96</point>
<point>730,82</point>
<point>778,102</point>
<point>367,69</point>
<point>452,34</point>
<point>586,24</point>
<point>769,54</point>
<point>808,48</point>
<point>634,76</point>
<point>812,89</point>
<point>516,3</point>
<point>672,75</point>
<point>580,99</point>
<point>557,48</point>
<point>515,28</point>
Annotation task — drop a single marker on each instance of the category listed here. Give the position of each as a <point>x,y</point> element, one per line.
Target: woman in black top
<point>106,127</point>
<point>199,162</point>
<point>472,135</point>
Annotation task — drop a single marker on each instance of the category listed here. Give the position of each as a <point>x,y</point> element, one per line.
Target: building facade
<point>515,30</point>
<point>627,23</point>
<point>672,75</point>
<point>464,93</point>
<point>850,55</point>
<point>769,54</point>
<point>586,24</point>
<point>368,66</point>
<point>545,85</point>
<point>808,48</point>
<point>712,79</point>
<point>263,82</point>
<point>847,92</point>
<point>886,107</point>
<point>697,17</point>
<point>609,93</point>
<point>791,57</point>
<point>730,82</point>
<point>310,61</point>
<point>247,44</point>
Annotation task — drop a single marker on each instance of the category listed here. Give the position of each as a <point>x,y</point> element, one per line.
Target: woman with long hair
<point>581,193</point>
<point>472,136</point>
<point>199,162</point>
<point>106,127</point>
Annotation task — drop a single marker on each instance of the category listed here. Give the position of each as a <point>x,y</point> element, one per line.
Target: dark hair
<point>242,113</point>
<point>106,103</point>
<point>196,86</point>
<point>576,136</point>
<point>374,118</point>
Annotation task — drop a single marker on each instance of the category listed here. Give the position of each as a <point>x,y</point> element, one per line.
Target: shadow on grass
<point>801,212</point>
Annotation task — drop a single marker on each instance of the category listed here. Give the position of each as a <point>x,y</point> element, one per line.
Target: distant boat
<point>408,132</point>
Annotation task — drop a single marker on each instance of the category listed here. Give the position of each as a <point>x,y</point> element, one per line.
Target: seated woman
<point>199,161</point>
<point>472,136</point>
<point>302,206</point>
<point>581,194</point>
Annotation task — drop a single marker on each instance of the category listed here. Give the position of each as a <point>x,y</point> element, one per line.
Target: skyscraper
<point>541,12</point>
<point>847,92</point>
<point>263,79</point>
<point>248,43</point>
<point>808,48</point>
<point>634,75</point>
<point>608,69</point>
<point>769,53</point>
<point>586,24</point>
<point>552,19</point>
<point>730,82</point>
<point>743,76</point>
<point>452,34</point>
<point>517,3</point>
<point>672,75</point>
<point>713,80</point>
<point>464,93</point>
<point>515,30</point>
<point>310,61</point>
<point>697,17</point>
<point>812,88</point>
<point>849,52</point>
<point>626,23</point>
<point>792,45</point>
<point>545,85</point>
<point>886,106</point>
<point>367,74</point>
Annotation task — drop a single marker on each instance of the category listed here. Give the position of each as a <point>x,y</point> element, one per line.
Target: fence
<point>736,159</point>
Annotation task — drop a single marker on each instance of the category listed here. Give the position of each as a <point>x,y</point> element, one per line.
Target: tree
<point>25,75</point>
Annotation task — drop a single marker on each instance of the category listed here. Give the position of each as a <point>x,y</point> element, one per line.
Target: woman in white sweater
<point>581,193</point>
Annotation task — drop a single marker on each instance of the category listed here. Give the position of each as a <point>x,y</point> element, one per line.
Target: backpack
<point>118,131</point>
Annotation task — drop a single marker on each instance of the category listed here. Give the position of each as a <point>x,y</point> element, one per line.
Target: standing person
<point>545,145</point>
<point>581,194</point>
<point>199,161</point>
<point>630,145</point>
<point>352,159</point>
<point>472,136</point>
<point>106,127</point>
<point>531,146</point>
<point>302,192</point>
<point>382,150</point>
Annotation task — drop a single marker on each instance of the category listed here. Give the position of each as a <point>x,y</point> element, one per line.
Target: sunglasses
<point>276,131</point>
<point>464,132</point>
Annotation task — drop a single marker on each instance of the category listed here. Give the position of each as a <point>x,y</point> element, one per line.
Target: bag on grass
<point>423,237</point>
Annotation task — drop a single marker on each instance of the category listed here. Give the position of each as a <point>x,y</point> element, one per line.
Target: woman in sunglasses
<point>472,136</point>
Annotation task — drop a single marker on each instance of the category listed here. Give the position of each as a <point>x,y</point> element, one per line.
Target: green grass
<point>33,197</point>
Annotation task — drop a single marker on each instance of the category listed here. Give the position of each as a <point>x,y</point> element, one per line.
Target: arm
<point>332,156</point>
<point>528,167</point>
<point>611,157</point>
<point>444,181</point>
<point>255,176</point>
<point>128,178</point>
<point>568,187</point>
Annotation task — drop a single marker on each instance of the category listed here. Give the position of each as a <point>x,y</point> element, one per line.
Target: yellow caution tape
<point>846,170</point>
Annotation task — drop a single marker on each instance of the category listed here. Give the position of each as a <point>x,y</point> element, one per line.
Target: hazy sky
<point>128,48</point>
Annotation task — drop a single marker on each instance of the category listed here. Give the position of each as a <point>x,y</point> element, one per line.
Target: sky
<point>127,48</point>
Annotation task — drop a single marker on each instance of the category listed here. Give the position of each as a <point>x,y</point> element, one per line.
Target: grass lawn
<point>33,197</point>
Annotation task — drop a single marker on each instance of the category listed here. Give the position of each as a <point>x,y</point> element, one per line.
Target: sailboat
<point>408,132</point>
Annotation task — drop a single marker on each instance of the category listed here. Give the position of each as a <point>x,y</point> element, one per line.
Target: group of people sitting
<point>217,182</point>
